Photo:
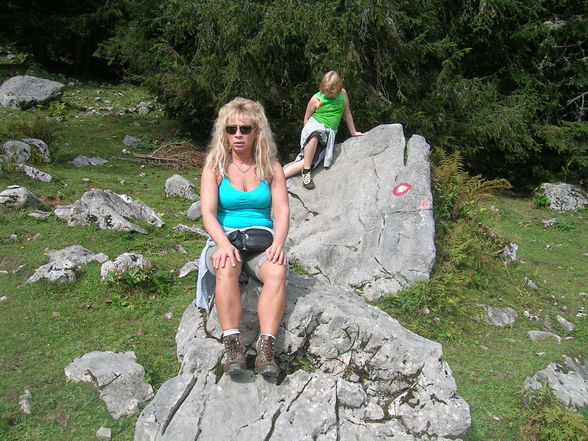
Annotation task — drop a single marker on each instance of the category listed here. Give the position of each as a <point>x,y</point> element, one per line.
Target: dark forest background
<point>505,82</point>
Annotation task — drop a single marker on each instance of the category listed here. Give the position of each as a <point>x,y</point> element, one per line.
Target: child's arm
<point>313,104</point>
<point>348,117</point>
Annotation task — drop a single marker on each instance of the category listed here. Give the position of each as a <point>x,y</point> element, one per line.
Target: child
<point>321,121</point>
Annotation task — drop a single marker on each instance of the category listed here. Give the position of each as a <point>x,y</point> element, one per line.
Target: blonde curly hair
<point>264,146</point>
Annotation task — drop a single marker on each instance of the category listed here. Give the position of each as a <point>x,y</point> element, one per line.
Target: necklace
<point>243,171</point>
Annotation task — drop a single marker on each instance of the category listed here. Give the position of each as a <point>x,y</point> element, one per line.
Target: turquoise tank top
<point>240,209</point>
<point>330,111</point>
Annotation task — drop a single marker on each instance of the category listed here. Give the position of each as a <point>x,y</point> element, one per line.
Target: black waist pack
<point>251,240</point>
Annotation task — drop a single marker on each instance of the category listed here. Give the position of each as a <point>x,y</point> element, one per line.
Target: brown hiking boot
<point>264,361</point>
<point>235,362</point>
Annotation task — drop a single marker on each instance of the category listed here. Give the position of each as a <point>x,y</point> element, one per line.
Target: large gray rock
<point>62,271</point>
<point>497,316</point>
<point>564,197</point>
<point>177,185</point>
<point>83,161</point>
<point>24,150</point>
<point>366,378</point>
<point>76,254</point>
<point>118,377</point>
<point>123,263</point>
<point>35,173</point>
<point>369,223</point>
<point>568,380</point>
<point>16,196</point>
<point>109,211</point>
<point>26,91</point>
<point>64,264</point>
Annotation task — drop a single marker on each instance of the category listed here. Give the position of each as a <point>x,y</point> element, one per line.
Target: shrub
<point>40,128</point>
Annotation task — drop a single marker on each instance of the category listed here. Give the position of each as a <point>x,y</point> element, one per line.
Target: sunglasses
<point>245,130</point>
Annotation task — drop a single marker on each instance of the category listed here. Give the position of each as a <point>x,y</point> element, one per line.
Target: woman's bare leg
<point>272,300</point>
<point>228,297</point>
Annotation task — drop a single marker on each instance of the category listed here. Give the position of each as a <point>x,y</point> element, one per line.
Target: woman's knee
<point>228,274</point>
<point>273,272</point>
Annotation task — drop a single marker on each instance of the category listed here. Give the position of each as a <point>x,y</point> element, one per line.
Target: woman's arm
<point>349,117</point>
<point>313,104</point>
<point>281,214</point>
<point>226,252</point>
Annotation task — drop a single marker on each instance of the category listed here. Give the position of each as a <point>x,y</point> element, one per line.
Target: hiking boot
<point>264,361</point>
<point>235,362</point>
<point>307,181</point>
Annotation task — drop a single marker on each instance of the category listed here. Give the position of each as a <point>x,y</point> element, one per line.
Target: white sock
<point>230,332</point>
<point>269,335</point>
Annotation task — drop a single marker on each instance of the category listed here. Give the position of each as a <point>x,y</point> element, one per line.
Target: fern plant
<point>464,251</point>
<point>552,421</point>
<point>457,194</point>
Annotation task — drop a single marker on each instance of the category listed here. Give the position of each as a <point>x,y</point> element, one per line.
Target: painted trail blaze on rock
<point>401,189</point>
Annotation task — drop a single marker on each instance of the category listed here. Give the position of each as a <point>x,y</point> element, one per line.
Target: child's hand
<point>357,133</point>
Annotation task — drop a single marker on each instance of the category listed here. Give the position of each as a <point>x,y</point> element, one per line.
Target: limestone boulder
<point>25,91</point>
<point>108,210</point>
<point>368,225</point>
<point>564,197</point>
<point>118,377</point>
<point>350,372</point>
<point>178,185</point>
<point>15,196</point>
<point>25,150</point>
<point>568,380</point>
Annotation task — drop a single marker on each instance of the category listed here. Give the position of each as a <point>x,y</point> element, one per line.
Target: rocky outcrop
<point>108,210</point>
<point>123,263</point>
<point>351,373</point>
<point>118,377</point>
<point>26,91</point>
<point>25,150</point>
<point>564,197</point>
<point>15,196</point>
<point>83,161</point>
<point>369,224</point>
<point>177,185</point>
<point>567,379</point>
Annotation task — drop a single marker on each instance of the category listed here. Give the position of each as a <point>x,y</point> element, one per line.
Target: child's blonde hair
<point>331,84</point>
<point>264,147</point>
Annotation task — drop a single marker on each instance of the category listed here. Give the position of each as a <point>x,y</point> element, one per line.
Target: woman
<point>243,185</point>
<point>321,121</point>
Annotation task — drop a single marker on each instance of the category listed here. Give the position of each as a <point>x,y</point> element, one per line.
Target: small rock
<point>104,433</point>
<point>509,253</point>
<point>530,283</point>
<point>549,222</point>
<point>3,298</point>
<point>531,317</point>
<point>542,335</point>
<point>169,315</point>
<point>38,214</point>
<point>566,325</point>
<point>26,402</point>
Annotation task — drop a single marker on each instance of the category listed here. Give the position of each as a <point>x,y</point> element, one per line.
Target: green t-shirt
<point>330,111</point>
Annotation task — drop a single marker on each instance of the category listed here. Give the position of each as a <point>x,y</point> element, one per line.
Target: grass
<point>44,327</point>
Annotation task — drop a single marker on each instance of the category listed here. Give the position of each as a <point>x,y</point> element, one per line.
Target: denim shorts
<point>251,264</point>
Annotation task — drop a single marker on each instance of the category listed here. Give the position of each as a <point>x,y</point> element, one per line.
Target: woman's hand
<point>356,133</point>
<point>276,254</point>
<point>226,255</point>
